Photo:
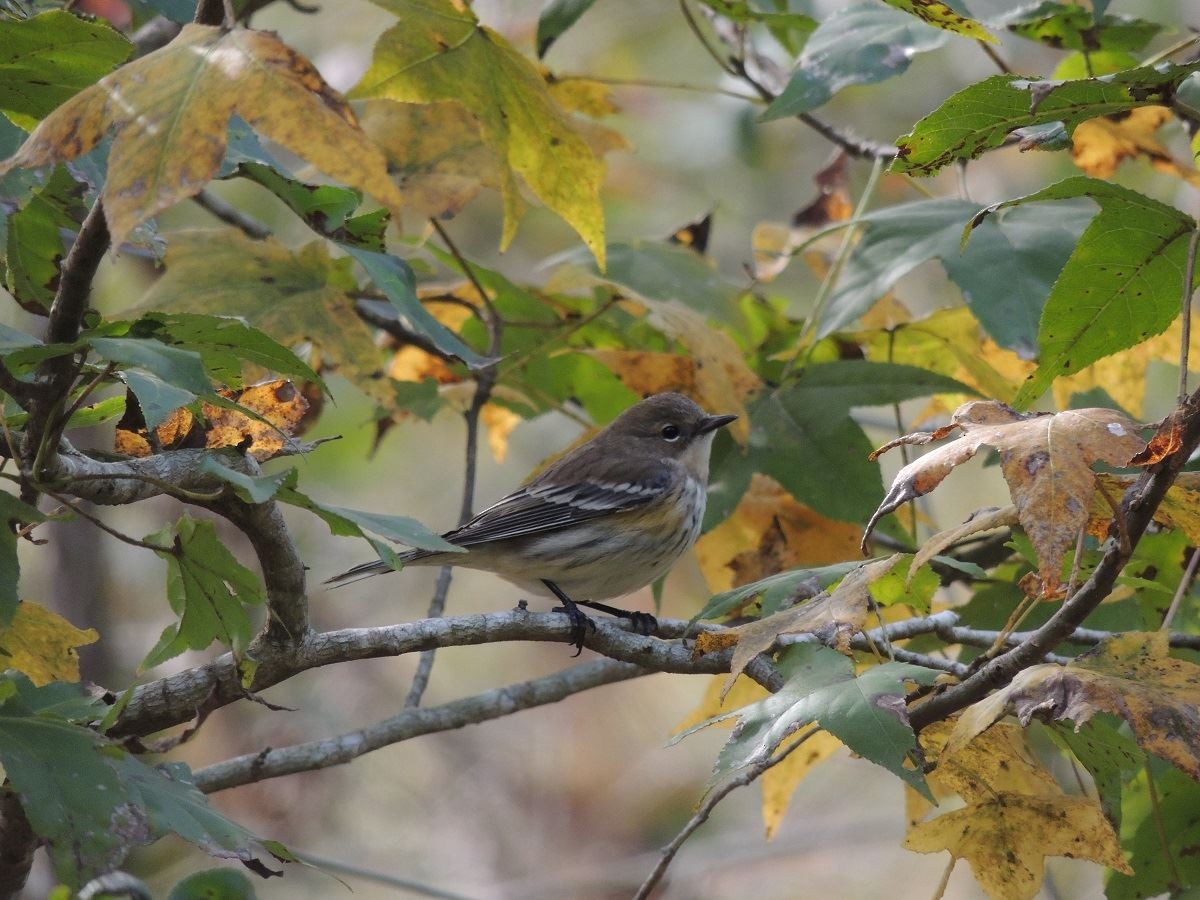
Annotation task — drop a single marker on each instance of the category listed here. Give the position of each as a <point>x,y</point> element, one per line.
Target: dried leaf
<point>1046,460</point>
<point>1130,675</point>
<point>170,111</point>
<point>1100,145</point>
<point>42,644</point>
<point>774,244</point>
<point>981,520</point>
<point>278,402</point>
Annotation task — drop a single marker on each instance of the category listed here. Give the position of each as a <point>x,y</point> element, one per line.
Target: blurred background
<point>574,799</point>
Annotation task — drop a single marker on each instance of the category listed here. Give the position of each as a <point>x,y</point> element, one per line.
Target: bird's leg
<point>579,622</point>
<point>642,622</point>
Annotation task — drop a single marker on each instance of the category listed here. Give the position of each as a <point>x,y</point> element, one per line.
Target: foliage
<point>1065,299</point>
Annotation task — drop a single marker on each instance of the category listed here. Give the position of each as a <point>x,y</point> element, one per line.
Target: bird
<point>606,519</point>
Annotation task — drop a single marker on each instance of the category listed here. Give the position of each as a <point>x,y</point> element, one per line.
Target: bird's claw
<point>579,625</point>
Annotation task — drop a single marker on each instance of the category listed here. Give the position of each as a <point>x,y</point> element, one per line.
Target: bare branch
<point>414,722</point>
<point>231,215</point>
<point>172,700</point>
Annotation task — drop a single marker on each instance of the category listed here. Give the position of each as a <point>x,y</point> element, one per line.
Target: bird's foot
<point>643,622</point>
<point>580,623</point>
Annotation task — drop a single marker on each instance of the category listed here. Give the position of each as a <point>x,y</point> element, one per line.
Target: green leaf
<point>896,587</point>
<point>802,436</point>
<point>394,277</point>
<point>180,368</point>
<point>866,713</point>
<point>791,29</point>
<point>12,510</point>
<point>214,884</point>
<point>251,488</point>
<point>774,588</point>
<point>207,587</point>
<point>352,522</point>
<point>324,207</point>
<point>671,272</point>
<point>1111,758</point>
<point>949,16</point>
<point>556,18</point>
<point>11,339</point>
<point>1120,286</point>
<point>861,44</point>
<point>1144,823</point>
<point>1069,26</point>
<point>223,342</point>
<point>440,51</point>
<point>979,117</point>
<point>34,243</point>
<point>45,60</point>
<point>1005,279</point>
<point>156,398</point>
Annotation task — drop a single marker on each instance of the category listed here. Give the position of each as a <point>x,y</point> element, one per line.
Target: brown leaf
<point>278,402</point>
<point>834,617</point>
<point>1046,460</point>
<point>1130,675</point>
<point>170,111</point>
<point>981,520</point>
<point>1165,441</point>
<point>774,244</point>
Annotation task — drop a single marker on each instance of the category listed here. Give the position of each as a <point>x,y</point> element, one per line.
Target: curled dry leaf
<point>1130,675</point>
<point>170,111</point>
<point>834,617</point>
<point>774,243</point>
<point>980,521</point>
<point>1046,460</point>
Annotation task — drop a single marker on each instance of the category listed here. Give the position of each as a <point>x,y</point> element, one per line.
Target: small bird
<point>608,518</point>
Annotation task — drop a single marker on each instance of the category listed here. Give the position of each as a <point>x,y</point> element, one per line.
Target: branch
<point>173,699</point>
<point>413,722</point>
<point>231,215</point>
<point>17,844</point>
<point>1138,506</point>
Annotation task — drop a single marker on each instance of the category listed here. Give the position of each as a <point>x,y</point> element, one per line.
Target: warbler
<point>608,518</point>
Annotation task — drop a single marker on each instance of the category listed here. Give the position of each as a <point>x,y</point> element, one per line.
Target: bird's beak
<point>712,423</point>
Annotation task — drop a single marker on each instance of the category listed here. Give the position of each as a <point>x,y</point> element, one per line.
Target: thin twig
<point>406,885</point>
<point>940,891</point>
<point>121,536</point>
<point>995,57</point>
<point>664,85</point>
<point>1189,274</point>
<point>1189,575</point>
<point>747,776</point>
<point>231,215</point>
<point>700,36</point>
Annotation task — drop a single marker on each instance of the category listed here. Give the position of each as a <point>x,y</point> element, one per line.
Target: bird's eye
<point>670,432</point>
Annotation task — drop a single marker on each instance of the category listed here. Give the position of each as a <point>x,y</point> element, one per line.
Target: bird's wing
<point>542,506</point>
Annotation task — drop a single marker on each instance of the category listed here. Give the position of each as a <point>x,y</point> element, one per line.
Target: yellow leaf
<point>42,644</point>
<point>1099,145</point>
<point>770,531</point>
<point>942,15</point>
<point>649,372</point>
<point>278,402</point>
<point>294,297</point>
<point>439,51</point>
<point>500,423</point>
<point>1180,508</point>
<point>780,781</point>
<point>1131,676</point>
<point>170,111</point>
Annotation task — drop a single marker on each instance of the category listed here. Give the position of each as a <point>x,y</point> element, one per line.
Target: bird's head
<point>672,426</point>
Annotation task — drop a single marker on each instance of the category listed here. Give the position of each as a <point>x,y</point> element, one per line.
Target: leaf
<point>866,713</point>
<point>293,297</point>
<point>809,418</point>
<point>179,368</point>
<point>770,532</point>
<point>1129,266</point>
<point>439,51</point>
<point>13,512</point>
<point>979,117</point>
<point>779,782</point>
<point>863,43</point>
<point>1130,675</point>
<point>42,644</point>
<point>1158,833</point>
<point>979,521</point>
<point>352,522</point>
<point>833,618</point>
<point>1179,509</point>
<point>207,587</point>
<point>48,57</point>
<point>1100,145</point>
<point>1006,839</point>
<point>556,18</point>
<point>1110,758</point>
<point>1046,460</point>
<point>775,589</point>
<point>775,244</point>
<point>945,16</point>
<point>1070,26</point>
<point>157,399</point>
<point>1005,280</point>
<point>173,110</point>
<point>35,244</point>
<point>251,488</point>
<point>280,408</point>
<point>214,884</point>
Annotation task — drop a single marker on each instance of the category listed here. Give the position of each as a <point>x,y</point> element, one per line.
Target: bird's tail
<point>367,569</point>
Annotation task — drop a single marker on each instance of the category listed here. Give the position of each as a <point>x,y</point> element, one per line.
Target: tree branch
<point>17,844</point>
<point>173,699</point>
<point>414,722</point>
<point>1138,506</point>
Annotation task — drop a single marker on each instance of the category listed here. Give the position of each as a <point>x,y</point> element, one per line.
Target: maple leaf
<point>440,51</point>
<point>42,644</point>
<point>170,111</point>
<point>1130,675</point>
<point>1179,509</point>
<point>1046,460</point>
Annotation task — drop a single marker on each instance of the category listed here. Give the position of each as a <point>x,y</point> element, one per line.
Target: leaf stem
<point>1185,311</point>
<point>1189,575</point>
<point>1160,828</point>
<point>108,529</point>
